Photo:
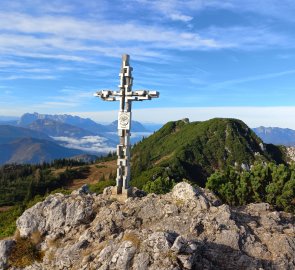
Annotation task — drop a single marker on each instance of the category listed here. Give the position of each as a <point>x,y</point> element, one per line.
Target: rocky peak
<point>187,228</point>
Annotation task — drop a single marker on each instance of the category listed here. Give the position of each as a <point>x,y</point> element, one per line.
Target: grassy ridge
<point>195,150</point>
<point>20,183</point>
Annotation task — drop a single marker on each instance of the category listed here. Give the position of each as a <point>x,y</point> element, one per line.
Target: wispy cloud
<point>28,77</point>
<point>180,17</point>
<point>248,37</point>
<point>253,78</point>
<point>173,10</point>
<point>44,34</point>
<point>90,144</point>
<point>69,32</point>
<point>66,98</point>
<point>283,9</point>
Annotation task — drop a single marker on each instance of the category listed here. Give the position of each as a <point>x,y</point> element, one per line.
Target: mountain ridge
<point>276,135</point>
<point>9,133</point>
<point>55,128</point>
<point>32,150</point>
<point>194,150</point>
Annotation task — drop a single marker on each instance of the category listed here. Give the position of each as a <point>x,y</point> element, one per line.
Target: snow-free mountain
<point>32,150</point>
<point>67,135</point>
<point>193,150</point>
<point>275,135</point>
<point>83,123</point>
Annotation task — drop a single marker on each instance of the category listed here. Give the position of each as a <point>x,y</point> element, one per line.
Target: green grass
<point>195,150</point>
<point>101,185</point>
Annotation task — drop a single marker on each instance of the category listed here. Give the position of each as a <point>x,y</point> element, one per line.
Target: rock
<point>290,151</point>
<point>141,261</point>
<point>195,197</point>
<point>82,191</point>
<point>186,261</point>
<point>5,248</point>
<point>55,213</point>
<point>183,246</point>
<point>159,241</point>
<point>138,193</point>
<point>179,245</point>
<point>107,191</point>
<point>262,146</point>
<point>245,167</point>
<point>184,229</point>
<point>121,259</point>
<point>184,191</point>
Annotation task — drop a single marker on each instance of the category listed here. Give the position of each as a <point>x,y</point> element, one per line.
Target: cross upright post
<point>125,95</point>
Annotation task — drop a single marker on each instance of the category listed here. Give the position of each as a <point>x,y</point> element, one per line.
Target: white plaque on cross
<point>124,120</point>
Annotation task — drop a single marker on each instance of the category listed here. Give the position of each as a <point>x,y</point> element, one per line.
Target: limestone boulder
<point>5,249</point>
<point>184,229</point>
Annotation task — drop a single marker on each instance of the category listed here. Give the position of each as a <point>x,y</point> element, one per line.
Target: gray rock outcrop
<point>187,228</point>
<point>5,248</point>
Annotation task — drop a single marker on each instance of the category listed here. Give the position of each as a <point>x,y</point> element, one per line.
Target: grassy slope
<point>96,173</point>
<point>195,150</point>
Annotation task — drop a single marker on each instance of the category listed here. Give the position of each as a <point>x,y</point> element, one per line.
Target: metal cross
<point>125,95</point>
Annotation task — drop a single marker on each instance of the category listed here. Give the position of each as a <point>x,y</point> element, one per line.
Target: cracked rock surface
<point>187,228</point>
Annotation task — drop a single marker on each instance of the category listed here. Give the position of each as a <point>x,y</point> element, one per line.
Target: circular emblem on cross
<point>124,119</point>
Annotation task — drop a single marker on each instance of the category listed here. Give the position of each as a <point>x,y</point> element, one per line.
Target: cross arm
<point>140,95</point>
<point>108,95</point>
<point>152,94</point>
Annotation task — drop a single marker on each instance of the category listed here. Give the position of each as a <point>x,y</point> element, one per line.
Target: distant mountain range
<point>38,137</point>
<point>32,150</point>
<point>83,123</point>
<point>54,128</point>
<point>34,137</point>
<point>275,135</point>
<point>11,133</point>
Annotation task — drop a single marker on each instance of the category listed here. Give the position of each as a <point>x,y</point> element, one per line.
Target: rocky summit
<point>188,228</point>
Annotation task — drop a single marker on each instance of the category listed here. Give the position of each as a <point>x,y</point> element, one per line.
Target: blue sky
<point>207,58</point>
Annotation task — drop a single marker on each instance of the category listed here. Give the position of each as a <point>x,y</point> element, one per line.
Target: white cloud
<point>12,63</point>
<point>248,37</point>
<point>253,78</point>
<point>90,144</point>
<point>66,38</point>
<point>278,9</point>
<point>180,17</point>
<point>281,9</point>
<point>173,9</point>
<point>42,36</point>
<point>28,77</point>
<point>68,27</point>
<point>65,98</point>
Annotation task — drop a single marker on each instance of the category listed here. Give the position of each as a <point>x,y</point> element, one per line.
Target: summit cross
<point>125,95</point>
